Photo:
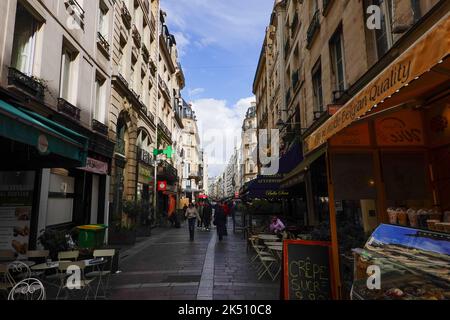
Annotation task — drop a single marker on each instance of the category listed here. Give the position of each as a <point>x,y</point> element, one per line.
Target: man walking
<point>207,213</point>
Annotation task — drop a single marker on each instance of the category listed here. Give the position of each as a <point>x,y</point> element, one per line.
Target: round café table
<point>55,264</point>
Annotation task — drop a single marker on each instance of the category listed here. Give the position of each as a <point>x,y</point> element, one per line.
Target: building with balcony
<point>249,144</point>
<point>332,58</point>
<point>55,82</point>
<point>193,162</point>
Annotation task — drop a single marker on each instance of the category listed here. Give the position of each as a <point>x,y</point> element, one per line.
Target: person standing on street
<point>220,220</point>
<point>191,215</point>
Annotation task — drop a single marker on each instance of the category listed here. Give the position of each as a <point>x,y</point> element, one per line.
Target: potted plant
<point>55,241</point>
<point>124,231</point>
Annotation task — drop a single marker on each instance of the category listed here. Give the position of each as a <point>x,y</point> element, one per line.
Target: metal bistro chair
<point>103,271</point>
<point>38,256</point>
<point>28,289</point>
<point>81,284</point>
<point>68,255</point>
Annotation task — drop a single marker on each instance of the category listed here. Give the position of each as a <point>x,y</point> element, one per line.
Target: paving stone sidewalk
<point>167,266</point>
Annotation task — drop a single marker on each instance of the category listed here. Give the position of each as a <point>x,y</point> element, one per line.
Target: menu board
<point>16,197</point>
<point>307,270</point>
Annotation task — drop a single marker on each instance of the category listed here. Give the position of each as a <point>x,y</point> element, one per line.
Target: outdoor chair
<point>38,256</point>
<point>28,289</point>
<point>103,271</point>
<point>82,284</point>
<point>68,255</point>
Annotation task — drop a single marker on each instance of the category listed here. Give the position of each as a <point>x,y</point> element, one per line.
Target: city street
<point>168,266</point>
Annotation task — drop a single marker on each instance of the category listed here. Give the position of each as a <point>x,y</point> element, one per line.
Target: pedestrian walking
<point>207,213</point>
<point>226,211</point>
<point>192,215</point>
<point>200,208</point>
<point>220,220</point>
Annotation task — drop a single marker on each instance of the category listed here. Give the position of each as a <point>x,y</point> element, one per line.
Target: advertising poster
<point>16,198</point>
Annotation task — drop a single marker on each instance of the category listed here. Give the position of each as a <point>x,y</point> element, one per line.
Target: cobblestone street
<point>168,266</point>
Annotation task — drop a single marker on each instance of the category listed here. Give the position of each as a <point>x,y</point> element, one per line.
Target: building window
<point>337,58</point>
<point>317,87</point>
<point>25,31</point>
<point>67,65</point>
<point>383,36</point>
<point>103,23</point>
<point>100,100</point>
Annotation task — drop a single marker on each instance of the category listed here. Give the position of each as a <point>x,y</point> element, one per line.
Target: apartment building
<point>249,144</point>
<point>328,54</point>
<point>193,166</point>
<point>55,111</point>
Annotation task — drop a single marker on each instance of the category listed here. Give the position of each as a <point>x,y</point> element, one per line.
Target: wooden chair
<point>103,274</point>
<point>28,289</point>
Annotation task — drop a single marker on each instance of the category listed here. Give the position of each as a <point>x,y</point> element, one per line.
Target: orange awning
<point>430,50</point>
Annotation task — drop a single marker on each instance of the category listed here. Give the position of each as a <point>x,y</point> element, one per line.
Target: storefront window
<point>16,199</point>
<point>408,191</point>
<point>355,196</point>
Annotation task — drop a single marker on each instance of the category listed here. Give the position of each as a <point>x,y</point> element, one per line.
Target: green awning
<point>47,136</point>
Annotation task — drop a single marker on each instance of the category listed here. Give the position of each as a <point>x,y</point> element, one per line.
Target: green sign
<point>167,151</point>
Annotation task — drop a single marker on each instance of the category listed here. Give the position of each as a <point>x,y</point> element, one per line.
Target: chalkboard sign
<point>307,271</point>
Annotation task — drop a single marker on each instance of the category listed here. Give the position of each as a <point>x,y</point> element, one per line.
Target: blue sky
<point>219,44</point>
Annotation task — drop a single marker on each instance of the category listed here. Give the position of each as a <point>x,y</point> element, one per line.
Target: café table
<point>55,265</point>
<point>265,236</point>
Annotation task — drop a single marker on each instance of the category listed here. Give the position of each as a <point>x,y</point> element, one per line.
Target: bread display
<point>422,218</point>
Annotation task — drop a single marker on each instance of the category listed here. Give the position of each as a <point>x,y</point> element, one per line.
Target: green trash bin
<point>91,236</point>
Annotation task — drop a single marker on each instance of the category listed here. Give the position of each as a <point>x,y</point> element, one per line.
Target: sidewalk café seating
<point>83,285</point>
<point>28,289</point>
<point>264,259</point>
<point>68,255</point>
<point>103,272</point>
<point>12,273</point>
<point>37,256</point>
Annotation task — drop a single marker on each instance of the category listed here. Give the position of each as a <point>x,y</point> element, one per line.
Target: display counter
<point>414,264</point>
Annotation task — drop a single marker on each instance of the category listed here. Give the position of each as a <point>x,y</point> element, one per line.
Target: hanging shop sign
<point>145,175</point>
<point>417,60</point>
<point>162,185</point>
<point>403,128</point>
<point>307,270</point>
<point>95,166</point>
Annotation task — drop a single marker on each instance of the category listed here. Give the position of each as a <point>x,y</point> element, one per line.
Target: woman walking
<point>192,215</point>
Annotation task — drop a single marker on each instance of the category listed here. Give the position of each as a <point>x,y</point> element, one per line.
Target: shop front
<point>387,152</point>
<point>145,182</point>
<point>167,190</point>
<point>30,143</point>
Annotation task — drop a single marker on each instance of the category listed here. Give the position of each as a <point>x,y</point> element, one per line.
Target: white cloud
<point>220,127</point>
<point>194,92</point>
<point>225,23</point>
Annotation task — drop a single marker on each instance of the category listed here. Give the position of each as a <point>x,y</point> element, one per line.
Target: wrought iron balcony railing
<point>68,109</point>
<point>103,43</point>
<point>26,83</point>
<point>99,127</point>
<point>136,36</point>
<point>313,28</point>
<point>126,16</point>
<point>145,53</point>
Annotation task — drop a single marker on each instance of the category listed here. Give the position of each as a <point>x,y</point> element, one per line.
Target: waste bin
<point>91,236</point>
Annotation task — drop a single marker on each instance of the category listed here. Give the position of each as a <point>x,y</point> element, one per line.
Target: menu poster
<point>16,197</point>
<point>307,270</point>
